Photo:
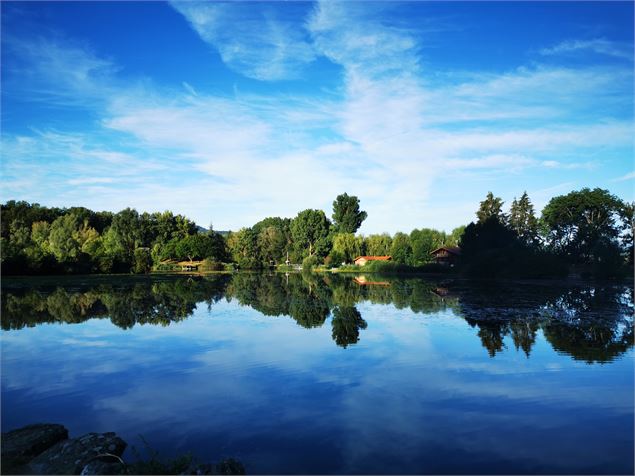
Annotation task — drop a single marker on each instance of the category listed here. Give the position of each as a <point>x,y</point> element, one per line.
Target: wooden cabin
<point>362,260</point>
<point>447,255</point>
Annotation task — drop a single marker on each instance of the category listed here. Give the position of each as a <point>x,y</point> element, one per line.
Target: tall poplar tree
<point>491,207</point>
<point>523,220</point>
<point>347,217</point>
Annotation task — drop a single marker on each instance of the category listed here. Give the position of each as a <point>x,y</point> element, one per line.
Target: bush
<point>229,267</point>
<point>167,267</point>
<point>335,258</point>
<point>608,261</point>
<point>210,265</point>
<point>514,262</point>
<point>309,262</point>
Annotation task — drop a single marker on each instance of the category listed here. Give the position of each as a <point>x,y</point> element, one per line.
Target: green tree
<point>273,245</point>
<point>19,233</point>
<point>628,227</point>
<point>423,242</point>
<point>455,237</point>
<point>378,245</point>
<point>347,217</point>
<point>112,249</point>
<point>347,246</point>
<point>62,239</point>
<point>165,224</point>
<point>40,231</point>
<point>148,229</point>
<point>274,239</point>
<point>523,220</point>
<point>184,227</point>
<point>486,247</point>
<point>310,231</point>
<point>126,231</point>
<point>197,246</point>
<point>491,207</point>
<point>580,224</point>
<point>27,214</point>
<point>243,247</point>
<point>85,234</point>
<point>142,260</point>
<point>401,250</point>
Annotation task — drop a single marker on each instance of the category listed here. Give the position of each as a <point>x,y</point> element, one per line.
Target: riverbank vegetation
<point>589,232</point>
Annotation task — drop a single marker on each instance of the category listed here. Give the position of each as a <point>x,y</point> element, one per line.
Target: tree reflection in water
<point>347,321</point>
<point>590,322</point>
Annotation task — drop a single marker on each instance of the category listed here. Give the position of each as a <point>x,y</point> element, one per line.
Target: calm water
<point>330,375</point>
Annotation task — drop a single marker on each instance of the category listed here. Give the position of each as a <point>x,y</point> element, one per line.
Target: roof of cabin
<point>374,258</point>
<point>455,250</point>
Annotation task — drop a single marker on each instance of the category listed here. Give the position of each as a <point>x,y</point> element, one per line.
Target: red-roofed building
<point>362,260</point>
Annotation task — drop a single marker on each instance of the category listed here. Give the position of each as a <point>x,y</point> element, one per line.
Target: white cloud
<point>353,35</point>
<point>59,72</point>
<point>533,95</point>
<point>388,135</point>
<point>597,45</point>
<point>188,87</point>
<point>90,180</point>
<point>251,38</point>
<point>628,176</point>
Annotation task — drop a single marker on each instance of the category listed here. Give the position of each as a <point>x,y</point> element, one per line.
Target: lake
<point>329,373</point>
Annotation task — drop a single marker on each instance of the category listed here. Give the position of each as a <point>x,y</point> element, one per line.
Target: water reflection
<point>592,323</point>
<point>347,321</point>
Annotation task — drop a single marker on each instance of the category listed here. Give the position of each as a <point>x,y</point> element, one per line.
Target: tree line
<point>589,230</point>
<point>312,239</point>
<point>42,240</point>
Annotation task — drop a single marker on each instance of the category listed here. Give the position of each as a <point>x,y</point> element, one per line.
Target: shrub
<point>210,265</point>
<point>309,262</point>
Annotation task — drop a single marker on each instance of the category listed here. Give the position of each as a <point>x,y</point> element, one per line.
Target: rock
<point>230,466</point>
<point>21,445</point>
<point>71,456</point>
<point>104,465</point>
<point>199,469</point>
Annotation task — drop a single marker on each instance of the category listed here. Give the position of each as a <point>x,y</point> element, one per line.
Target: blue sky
<point>231,112</point>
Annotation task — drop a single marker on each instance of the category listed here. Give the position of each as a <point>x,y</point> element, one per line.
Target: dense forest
<point>590,231</point>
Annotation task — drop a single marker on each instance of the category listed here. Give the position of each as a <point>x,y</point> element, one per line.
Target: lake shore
<point>158,275</point>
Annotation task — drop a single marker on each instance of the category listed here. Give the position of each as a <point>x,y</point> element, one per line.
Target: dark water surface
<point>325,374</point>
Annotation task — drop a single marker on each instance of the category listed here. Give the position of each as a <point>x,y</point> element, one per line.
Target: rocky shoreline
<point>45,448</point>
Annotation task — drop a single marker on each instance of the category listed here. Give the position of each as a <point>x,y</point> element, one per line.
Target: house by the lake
<point>447,255</point>
<point>362,260</point>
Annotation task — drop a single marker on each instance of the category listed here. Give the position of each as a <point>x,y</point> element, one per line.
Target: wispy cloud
<point>392,130</point>
<point>597,45</point>
<point>259,44</point>
<point>57,71</point>
<point>90,180</point>
<point>355,36</point>
<point>628,176</point>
